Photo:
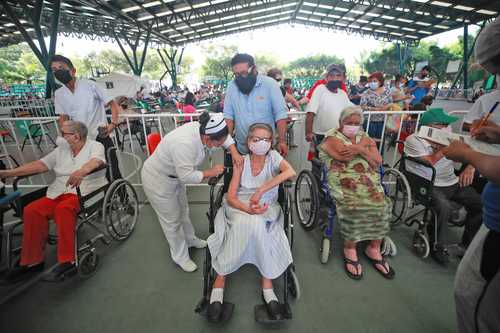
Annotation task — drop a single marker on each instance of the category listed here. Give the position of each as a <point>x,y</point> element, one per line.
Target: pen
<point>486,117</point>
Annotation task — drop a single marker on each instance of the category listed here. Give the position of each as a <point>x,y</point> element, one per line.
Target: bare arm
<point>25,170</point>
<point>115,111</point>
<point>309,125</point>
<point>77,176</point>
<point>337,150</point>
<point>286,172</point>
<point>282,127</point>
<point>232,197</point>
<point>230,126</point>
<point>290,99</point>
<point>368,150</point>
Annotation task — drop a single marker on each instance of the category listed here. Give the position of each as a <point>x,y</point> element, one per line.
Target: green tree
<point>311,66</point>
<point>218,61</point>
<point>265,62</point>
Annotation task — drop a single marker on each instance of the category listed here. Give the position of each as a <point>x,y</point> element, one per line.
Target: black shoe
<point>441,255</point>
<point>214,312</point>
<point>274,309</point>
<point>60,272</point>
<point>23,272</point>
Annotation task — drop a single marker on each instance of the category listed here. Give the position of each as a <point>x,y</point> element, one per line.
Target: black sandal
<point>356,265</point>
<point>388,274</point>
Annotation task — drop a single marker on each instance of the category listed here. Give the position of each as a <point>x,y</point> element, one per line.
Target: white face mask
<point>260,147</point>
<point>62,142</point>
<point>373,85</point>
<point>350,130</point>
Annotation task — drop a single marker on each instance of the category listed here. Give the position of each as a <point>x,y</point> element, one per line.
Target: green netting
<point>304,82</point>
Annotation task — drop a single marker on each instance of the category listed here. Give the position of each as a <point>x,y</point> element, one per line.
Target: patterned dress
<point>363,210</point>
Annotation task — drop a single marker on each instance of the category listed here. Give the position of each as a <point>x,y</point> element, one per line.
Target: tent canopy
<point>117,84</point>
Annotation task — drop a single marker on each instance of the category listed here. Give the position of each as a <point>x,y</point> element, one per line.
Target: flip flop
<point>356,265</point>
<point>388,274</point>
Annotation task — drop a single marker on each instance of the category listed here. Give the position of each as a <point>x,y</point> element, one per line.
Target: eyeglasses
<point>67,133</point>
<point>257,139</point>
<point>244,74</point>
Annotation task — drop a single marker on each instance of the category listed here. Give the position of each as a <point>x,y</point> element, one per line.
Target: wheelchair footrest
<point>262,315</point>
<point>226,314</point>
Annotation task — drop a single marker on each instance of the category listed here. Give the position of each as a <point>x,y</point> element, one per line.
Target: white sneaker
<point>197,243</point>
<point>189,266</point>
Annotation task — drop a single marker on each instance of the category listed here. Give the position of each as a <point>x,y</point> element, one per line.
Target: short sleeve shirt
<point>264,104</point>
<point>418,147</point>
<point>86,104</point>
<point>327,106</point>
<point>62,161</point>
<point>482,106</point>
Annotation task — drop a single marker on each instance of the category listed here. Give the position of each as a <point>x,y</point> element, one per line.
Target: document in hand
<point>445,138</point>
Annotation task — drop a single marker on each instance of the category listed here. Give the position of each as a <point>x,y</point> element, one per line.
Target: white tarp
<point>116,85</point>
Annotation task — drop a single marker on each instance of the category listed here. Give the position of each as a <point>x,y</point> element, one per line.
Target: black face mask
<point>246,84</point>
<point>333,85</point>
<point>63,76</point>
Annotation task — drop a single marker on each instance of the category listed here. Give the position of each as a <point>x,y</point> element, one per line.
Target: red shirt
<point>323,81</point>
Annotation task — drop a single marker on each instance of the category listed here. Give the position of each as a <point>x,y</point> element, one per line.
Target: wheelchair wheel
<point>88,263</point>
<point>307,199</point>
<point>398,189</point>
<point>421,244</point>
<point>325,250</point>
<point>120,209</point>
<point>293,284</point>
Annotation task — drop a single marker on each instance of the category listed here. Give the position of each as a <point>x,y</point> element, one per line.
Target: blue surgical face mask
<point>373,85</point>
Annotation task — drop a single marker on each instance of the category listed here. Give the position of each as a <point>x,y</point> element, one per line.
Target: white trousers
<point>169,200</point>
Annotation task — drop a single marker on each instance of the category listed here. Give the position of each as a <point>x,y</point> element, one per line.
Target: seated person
<point>249,226</point>
<point>363,211</point>
<point>447,186</point>
<point>73,159</point>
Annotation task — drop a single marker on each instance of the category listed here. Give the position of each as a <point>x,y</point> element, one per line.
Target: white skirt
<point>241,238</point>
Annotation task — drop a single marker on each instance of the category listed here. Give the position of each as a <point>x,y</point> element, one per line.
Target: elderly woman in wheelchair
<point>353,177</point>
<point>249,225</point>
<point>73,159</point>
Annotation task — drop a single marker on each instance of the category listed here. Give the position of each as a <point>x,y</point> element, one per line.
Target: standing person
<point>420,85</point>
<point>327,102</point>
<point>323,81</point>
<point>173,165</point>
<point>399,94</point>
<point>276,74</point>
<point>377,98</point>
<point>477,283</point>
<point>188,106</point>
<point>358,89</point>
<point>253,98</point>
<point>287,83</point>
<point>82,100</point>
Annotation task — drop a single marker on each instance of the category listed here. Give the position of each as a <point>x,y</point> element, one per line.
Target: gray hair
<point>256,126</point>
<point>349,111</point>
<point>77,127</point>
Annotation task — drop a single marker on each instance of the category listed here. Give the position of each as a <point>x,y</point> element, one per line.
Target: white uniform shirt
<point>178,154</point>
<point>62,161</point>
<point>482,106</point>
<point>327,107</point>
<point>418,147</point>
<point>86,104</point>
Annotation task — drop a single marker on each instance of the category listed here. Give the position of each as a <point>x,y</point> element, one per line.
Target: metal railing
<point>29,138</point>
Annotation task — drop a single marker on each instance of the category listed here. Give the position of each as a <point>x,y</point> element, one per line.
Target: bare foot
<point>373,252</point>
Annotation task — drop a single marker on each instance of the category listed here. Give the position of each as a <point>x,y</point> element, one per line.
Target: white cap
<point>216,123</point>
<point>488,46</point>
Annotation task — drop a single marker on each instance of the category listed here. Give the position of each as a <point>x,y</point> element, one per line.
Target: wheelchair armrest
<point>17,179</point>
<point>99,168</point>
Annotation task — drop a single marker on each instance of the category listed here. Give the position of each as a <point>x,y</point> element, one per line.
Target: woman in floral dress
<point>363,210</point>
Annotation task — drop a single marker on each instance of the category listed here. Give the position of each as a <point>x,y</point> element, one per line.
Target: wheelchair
<point>291,284</point>
<point>312,194</point>
<point>420,190</point>
<point>109,213</point>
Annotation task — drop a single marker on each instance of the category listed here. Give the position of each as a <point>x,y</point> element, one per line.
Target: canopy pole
<point>49,81</point>
<point>172,65</point>
<point>466,59</point>
<point>137,64</point>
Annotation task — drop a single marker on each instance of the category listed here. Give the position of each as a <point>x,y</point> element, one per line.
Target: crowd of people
<point>252,128</point>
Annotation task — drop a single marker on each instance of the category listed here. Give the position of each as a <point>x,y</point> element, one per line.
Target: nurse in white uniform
<point>173,165</point>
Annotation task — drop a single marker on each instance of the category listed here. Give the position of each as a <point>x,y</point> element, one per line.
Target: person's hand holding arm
<point>368,150</point>
<point>75,179</point>
<point>337,150</point>
<point>232,195</point>
<point>286,172</point>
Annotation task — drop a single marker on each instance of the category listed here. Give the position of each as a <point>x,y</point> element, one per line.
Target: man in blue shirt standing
<point>420,85</point>
<point>253,98</point>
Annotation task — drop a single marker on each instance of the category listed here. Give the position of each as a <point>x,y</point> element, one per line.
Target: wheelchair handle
<point>214,180</point>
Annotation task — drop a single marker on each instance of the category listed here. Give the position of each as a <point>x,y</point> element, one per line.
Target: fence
<point>27,139</point>
<point>34,107</point>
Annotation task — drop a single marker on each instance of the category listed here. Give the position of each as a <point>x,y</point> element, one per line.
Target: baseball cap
<point>488,46</point>
<point>436,116</point>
